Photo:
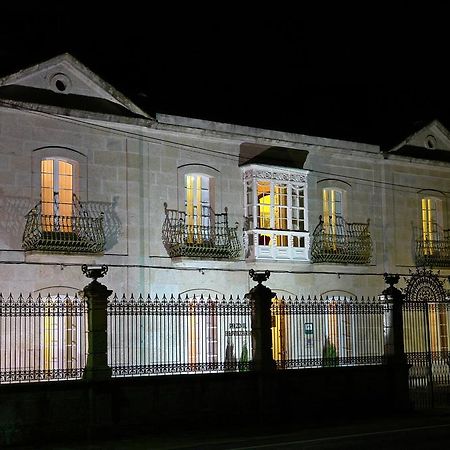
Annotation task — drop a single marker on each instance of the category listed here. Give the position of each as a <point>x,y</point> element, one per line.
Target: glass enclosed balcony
<point>205,236</point>
<point>340,242</point>
<point>69,229</point>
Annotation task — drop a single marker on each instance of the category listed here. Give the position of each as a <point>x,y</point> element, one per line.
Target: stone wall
<point>66,411</point>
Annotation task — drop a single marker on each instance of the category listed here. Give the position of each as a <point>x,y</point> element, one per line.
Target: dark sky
<point>293,72</point>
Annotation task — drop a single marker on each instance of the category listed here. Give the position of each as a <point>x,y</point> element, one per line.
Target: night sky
<point>355,80</point>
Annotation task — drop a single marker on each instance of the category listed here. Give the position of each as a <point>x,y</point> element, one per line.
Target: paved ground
<point>419,430</point>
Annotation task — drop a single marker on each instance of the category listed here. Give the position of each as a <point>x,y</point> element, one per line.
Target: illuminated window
<point>431,222</point>
<point>56,194</point>
<point>198,206</point>
<point>275,209</point>
<point>332,211</point>
<point>332,205</point>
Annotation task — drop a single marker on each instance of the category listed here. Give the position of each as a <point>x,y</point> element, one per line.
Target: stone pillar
<point>97,294</point>
<point>261,297</point>
<point>394,348</point>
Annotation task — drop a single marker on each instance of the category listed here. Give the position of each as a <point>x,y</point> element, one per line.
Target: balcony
<point>212,239</point>
<point>55,233</point>
<point>433,250</point>
<point>341,242</point>
<point>264,243</point>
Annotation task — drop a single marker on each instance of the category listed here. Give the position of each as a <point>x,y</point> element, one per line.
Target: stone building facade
<point>174,205</point>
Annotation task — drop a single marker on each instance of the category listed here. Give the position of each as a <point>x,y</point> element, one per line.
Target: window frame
<point>202,170</point>
<point>78,160</point>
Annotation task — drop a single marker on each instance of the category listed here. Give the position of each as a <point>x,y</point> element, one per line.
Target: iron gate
<point>426,314</point>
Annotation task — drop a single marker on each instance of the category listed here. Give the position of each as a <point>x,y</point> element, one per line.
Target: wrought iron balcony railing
<point>74,233</point>
<point>212,239</point>
<point>340,242</point>
<point>433,249</point>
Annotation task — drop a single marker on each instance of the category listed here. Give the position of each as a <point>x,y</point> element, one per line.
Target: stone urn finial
<point>259,276</point>
<point>94,272</point>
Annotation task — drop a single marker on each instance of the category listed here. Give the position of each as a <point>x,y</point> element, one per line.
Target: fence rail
<point>42,338</point>
<point>46,338</point>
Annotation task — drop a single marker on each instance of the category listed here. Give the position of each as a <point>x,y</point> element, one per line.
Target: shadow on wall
<point>111,223</point>
<point>13,212</point>
<point>13,220</point>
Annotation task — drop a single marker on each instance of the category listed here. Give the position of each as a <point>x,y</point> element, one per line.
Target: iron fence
<point>178,335</point>
<point>46,338</point>
<point>199,335</point>
<point>42,338</point>
<point>330,331</point>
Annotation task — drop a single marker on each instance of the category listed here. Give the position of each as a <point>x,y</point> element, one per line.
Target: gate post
<point>394,348</point>
<point>97,296</point>
<point>261,322</point>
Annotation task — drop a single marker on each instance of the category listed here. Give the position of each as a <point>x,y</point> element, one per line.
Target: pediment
<point>431,141</point>
<point>65,82</point>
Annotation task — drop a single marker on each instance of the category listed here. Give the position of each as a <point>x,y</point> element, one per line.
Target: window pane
<point>297,210</point>
<point>249,212</point>
<point>65,188</point>
<point>47,190</point>
<point>264,204</point>
<point>280,212</point>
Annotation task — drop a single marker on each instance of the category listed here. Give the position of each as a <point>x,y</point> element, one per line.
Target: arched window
<point>198,206</point>
<point>431,213</point>
<point>332,213</point>
<point>57,189</point>
<point>198,198</point>
<point>332,204</point>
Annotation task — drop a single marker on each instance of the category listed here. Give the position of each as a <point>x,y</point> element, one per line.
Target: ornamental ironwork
<point>433,250</point>
<point>425,286</point>
<point>75,233</point>
<point>297,176</point>
<point>207,237</point>
<point>337,241</point>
